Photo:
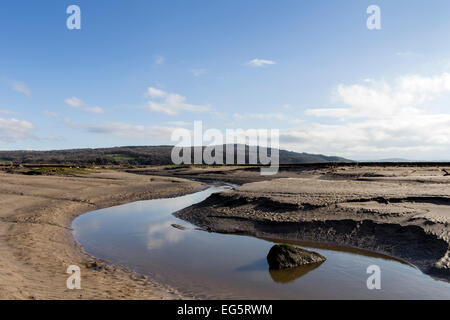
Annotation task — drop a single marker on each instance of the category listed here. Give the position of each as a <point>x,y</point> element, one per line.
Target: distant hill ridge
<point>137,155</point>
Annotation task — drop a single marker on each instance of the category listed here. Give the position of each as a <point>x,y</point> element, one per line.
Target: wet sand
<point>37,246</point>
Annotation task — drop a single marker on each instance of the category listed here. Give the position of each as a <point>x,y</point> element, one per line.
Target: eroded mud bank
<point>405,217</point>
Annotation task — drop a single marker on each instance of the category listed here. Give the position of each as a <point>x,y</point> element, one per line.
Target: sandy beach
<point>37,246</point>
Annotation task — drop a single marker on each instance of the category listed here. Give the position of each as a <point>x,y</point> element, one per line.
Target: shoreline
<point>37,244</point>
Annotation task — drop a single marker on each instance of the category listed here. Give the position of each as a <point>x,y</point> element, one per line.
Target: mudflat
<point>399,210</point>
<point>402,211</point>
<point>37,246</point>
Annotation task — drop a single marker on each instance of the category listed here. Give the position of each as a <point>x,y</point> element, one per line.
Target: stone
<point>283,256</point>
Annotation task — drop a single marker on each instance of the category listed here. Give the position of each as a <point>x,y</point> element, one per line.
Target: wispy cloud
<point>260,116</point>
<point>260,63</point>
<point>131,131</point>
<point>9,112</point>
<point>285,117</point>
<point>21,87</point>
<point>170,103</point>
<point>95,110</point>
<point>75,102</point>
<point>178,123</point>
<point>51,114</point>
<point>124,130</point>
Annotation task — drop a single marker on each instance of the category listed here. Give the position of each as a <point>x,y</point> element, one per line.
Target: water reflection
<point>279,276</point>
<point>257,265</point>
<point>163,233</point>
<point>292,274</point>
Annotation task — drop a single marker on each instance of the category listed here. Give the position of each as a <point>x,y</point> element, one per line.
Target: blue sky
<point>138,69</point>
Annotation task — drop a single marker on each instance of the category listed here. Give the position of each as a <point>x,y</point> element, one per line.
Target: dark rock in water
<point>178,226</point>
<point>282,256</point>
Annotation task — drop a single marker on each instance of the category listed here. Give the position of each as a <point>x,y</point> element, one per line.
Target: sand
<point>37,246</point>
<point>401,211</point>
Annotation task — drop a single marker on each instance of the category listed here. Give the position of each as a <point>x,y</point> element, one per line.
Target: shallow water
<point>140,236</point>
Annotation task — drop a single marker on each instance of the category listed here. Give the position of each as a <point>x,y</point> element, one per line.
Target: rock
<point>91,265</point>
<point>282,256</point>
<point>177,226</point>
<point>95,265</point>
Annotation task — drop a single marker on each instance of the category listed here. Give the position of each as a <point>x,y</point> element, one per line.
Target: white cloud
<point>405,96</point>
<point>416,136</point>
<point>170,103</point>
<point>21,87</point>
<point>12,130</point>
<point>155,93</point>
<point>95,110</point>
<point>381,119</point>
<point>260,63</point>
<point>130,131</point>
<point>74,102</point>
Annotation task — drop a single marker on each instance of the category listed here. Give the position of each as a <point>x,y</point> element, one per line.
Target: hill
<point>135,155</point>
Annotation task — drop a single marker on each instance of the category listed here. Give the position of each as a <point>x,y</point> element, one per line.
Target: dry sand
<point>37,246</point>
